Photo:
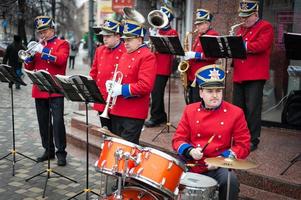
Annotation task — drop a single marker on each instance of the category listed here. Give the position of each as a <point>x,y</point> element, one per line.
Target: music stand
<point>81,89</point>
<point>224,47</point>
<point>292,42</point>
<point>167,45</point>
<point>8,75</point>
<point>45,83</point>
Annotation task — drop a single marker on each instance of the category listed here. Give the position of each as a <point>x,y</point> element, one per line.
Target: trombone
<point>111,101</point>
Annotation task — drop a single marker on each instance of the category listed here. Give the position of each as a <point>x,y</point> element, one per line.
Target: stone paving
<point>27,142</point>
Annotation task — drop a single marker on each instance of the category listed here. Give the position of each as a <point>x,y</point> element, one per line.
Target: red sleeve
<point>146,76</point>
<point>94,70</point>
<point>182,134</point>
<point>241,137</point>
<point>61,54</point>
<point>263,41</point>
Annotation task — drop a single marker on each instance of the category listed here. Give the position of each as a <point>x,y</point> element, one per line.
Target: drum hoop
<point>153,184</point>
<point>168,157</point>
<point>121,141</point>
<point>141,189</point>
<point>106,171</point>
<point>202,176</point>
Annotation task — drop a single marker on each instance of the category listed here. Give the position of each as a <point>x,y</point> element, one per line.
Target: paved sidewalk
<point>28,142</point>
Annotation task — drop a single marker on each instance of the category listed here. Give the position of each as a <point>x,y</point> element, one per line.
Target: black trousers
<point>57,126</point>
<point>221,176</point>
<point>248,96</point>
<point>194,94</point>
<point>158,113</point>
<point>71,62</point>
<point>127,128</point>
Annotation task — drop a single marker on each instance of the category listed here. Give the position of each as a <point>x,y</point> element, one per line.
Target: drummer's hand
<point>196,153</point>
<point>211,167</point>
<point>228,154</point>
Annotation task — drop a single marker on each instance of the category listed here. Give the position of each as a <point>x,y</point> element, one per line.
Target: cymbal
<point>230,163</point>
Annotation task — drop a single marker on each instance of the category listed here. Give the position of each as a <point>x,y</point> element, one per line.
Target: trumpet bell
<point>157,19</point>
<point>23,55</point>
<point>132,14</point>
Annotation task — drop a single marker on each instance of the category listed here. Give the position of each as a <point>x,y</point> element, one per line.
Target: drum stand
<point>49,170</point>
<point>292,162</point>
<point>14,151</point>
<point>228,183</point>
<point>168,123</point>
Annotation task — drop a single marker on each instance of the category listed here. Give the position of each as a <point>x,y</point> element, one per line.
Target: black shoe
<point>45,157</point>
<point>61,162</point>
<point>253,147</point>
<point>151,123</point>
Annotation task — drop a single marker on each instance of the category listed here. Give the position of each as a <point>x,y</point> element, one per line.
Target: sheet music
<point>69,88</point>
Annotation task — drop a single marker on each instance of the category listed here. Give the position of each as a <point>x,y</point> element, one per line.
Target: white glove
<point>189,55</point>
<point>196,153</point>
<point>109,85</point>
<point>153,31</point>
<point>211,167</point>
<point>116,90</point>
<point>38,48</point>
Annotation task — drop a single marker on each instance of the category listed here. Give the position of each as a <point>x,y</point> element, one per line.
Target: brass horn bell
<point>157,19</point>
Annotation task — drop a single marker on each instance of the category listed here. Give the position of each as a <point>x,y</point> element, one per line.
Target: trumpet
<point>24,54</point>
<point>111,101</point>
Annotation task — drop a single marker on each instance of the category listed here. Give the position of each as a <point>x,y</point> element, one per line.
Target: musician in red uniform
<point>158,114</point>
<point>250,75</point>
<point>105,60</point>
<point>138,66</point>
<point>196,56</point>
<point>212,117</point>
<point>51,54</point>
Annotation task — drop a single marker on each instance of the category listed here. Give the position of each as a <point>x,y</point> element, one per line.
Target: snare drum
<point>159,170</point>
<point>197,187</point>
<point>133,193</point>
<point>108,163</point>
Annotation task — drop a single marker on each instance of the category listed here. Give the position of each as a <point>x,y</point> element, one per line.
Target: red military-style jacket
<point>105,60</point>
<point>258,40</point>
<point>197,125</point>
<point>164,61</point>
<point>53,59</point>
<point>195,64</point>
<point>139,72</point>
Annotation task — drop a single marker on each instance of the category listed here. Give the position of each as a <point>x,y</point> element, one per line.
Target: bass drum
<point>133,193</point>
<point>197,187</point>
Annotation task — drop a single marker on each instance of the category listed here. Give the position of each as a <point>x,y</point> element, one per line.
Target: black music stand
<point>167,45</point>
<point>292,43</point>
<point>8,75</point>
<point>224,47</point>
<point>45,83</point>
<point>81,89</point>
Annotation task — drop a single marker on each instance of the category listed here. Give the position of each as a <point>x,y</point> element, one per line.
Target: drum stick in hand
<point>209,141</point>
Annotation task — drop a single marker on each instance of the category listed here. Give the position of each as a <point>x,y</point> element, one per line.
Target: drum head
<point>197,180</point>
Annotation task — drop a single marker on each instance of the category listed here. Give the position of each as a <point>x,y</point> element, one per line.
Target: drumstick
<point>209,141</point>
<point>194,164</point>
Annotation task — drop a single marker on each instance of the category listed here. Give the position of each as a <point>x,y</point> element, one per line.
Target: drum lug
<point>146,155</point>
<point>103,164</point>
<point>110,144</point>
<point>163,182</point>
<point>140,170</point>
<point>170,164</point>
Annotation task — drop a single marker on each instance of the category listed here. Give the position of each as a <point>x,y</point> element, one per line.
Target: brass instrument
<point>232,29</point>
<point>157,19</point>
<point>110,101</point>
<point>24,54</point>
<point>184,66</point>
<point>132,14</point>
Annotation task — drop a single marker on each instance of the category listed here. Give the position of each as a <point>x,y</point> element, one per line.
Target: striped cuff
<point>28,59</point>
<point>125,90</point>
<point>198,55</point>
<point>47,56</point>
<point>183,147</point>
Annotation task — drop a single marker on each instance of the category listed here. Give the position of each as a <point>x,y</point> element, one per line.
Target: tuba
<point>110,101</point>
<point>184,66</point>
<point>157,19</point>
<point>132,14</point>
<point>232,29</point>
